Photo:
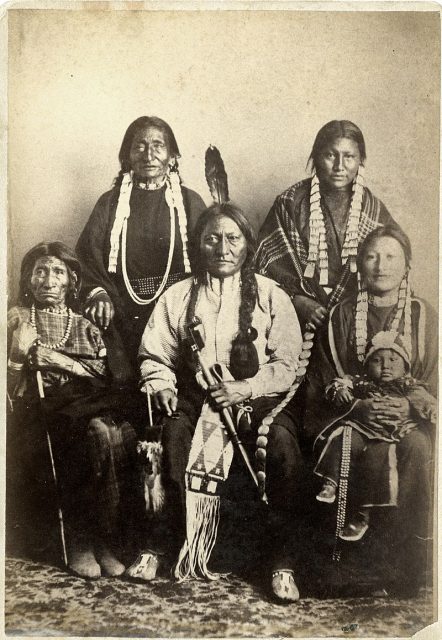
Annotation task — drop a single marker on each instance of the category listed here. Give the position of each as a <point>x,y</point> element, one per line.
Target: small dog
<point>150,456</point>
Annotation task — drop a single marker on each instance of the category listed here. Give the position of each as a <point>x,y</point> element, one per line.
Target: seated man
<point>250,329</point>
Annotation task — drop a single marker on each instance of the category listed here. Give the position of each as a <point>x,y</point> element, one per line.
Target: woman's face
<point>150,154</point>
<point>49,281</point>
<point>223,247</point>
<point>383,266</point>
<point>338,163</point>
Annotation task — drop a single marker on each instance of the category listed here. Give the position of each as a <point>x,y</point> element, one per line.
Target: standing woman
<point>310,238</point>
<point>134,245</point>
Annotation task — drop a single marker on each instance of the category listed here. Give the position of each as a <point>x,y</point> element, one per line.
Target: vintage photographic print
<point>222,332</point>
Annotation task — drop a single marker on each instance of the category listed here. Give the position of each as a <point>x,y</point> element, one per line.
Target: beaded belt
<point>149,286</point>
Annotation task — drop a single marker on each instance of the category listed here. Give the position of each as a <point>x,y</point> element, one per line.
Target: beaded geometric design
<point>148,286</point>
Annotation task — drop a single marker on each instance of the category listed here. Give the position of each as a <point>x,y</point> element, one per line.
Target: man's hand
<point>100,310</point>
<point>165,401</point>
<point>225,394</point>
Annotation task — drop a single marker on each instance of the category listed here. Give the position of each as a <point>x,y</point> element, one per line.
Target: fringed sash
<point>209,463</point>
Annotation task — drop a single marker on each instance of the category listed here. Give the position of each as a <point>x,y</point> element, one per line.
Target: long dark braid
<point>244,362</point>
<point>118,180</point>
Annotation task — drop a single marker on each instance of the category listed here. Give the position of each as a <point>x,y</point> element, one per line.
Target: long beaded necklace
<point>63,340</point>
<point>174,201</point>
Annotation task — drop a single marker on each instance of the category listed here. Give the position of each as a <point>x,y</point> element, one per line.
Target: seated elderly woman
<point>249,328</point>
<point>383,303</point>
<point>56,354</point>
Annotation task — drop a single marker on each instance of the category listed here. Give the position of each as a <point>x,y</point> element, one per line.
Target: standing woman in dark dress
<point>134,245</point>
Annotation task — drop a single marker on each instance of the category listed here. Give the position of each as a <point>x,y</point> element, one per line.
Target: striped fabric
<point>283,252</point>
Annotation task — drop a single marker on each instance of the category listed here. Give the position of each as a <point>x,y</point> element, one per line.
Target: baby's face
<point>385,365</point>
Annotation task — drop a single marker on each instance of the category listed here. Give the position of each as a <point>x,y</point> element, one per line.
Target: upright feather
<point>216,175</point>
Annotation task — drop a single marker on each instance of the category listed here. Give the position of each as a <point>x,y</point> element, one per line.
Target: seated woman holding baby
<point>58,383</point>
<point>371,404</point>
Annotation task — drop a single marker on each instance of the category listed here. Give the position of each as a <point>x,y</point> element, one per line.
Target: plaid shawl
<point>283,249</point>
<point>85,344</point>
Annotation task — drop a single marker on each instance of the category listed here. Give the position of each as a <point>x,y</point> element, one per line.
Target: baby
<point>373,455</point>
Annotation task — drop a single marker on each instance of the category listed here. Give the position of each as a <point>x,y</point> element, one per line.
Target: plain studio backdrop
<point>257,84</point>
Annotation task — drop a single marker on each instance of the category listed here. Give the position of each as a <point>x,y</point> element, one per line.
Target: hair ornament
<point>174,199</point>
<point>318,240</point>
<point>252,334</point>
<point>403,311</point>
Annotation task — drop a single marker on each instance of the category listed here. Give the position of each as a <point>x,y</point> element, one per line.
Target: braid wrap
<point>244,362</point>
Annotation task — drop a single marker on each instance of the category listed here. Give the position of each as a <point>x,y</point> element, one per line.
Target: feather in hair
<point>216,175</point>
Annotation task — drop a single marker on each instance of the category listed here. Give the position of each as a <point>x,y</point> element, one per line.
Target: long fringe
<point>202,522</point>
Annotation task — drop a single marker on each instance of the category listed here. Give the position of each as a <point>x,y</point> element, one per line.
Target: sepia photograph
<point>221,319</point>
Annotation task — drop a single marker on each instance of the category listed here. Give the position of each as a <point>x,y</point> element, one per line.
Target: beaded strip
<point>264,428</point>
<point>361,316</point>
<point>317,234</point>
<point>351,242</point>
<point>63,340</point>
<point>148,286</point>
<point>342,489</point>
<point>174,199</point>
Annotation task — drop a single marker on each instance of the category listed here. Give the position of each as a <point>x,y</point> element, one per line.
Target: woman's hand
<point>100,310</point>
<point>165,401</point>
<point>225,394</point>
<point>310,311</point>
<point>22,340</point>
<point>382,410</point>
<point>44,358</point>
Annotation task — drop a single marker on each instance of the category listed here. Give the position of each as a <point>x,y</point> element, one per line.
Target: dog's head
<point>150,455</point>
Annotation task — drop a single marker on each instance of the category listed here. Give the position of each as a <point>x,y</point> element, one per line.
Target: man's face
<point>223,247</point>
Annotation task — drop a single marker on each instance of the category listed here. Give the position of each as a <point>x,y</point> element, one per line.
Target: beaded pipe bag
<point>210,457</point>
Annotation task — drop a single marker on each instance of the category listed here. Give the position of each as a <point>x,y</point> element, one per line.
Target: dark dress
<point>334,354</point>
<point>148,237</point>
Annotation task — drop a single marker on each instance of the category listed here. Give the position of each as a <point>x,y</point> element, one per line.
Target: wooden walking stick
<point>41,393</point>
<point>196,344</point>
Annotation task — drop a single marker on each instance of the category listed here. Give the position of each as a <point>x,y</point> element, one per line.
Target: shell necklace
<point>63,340</point>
